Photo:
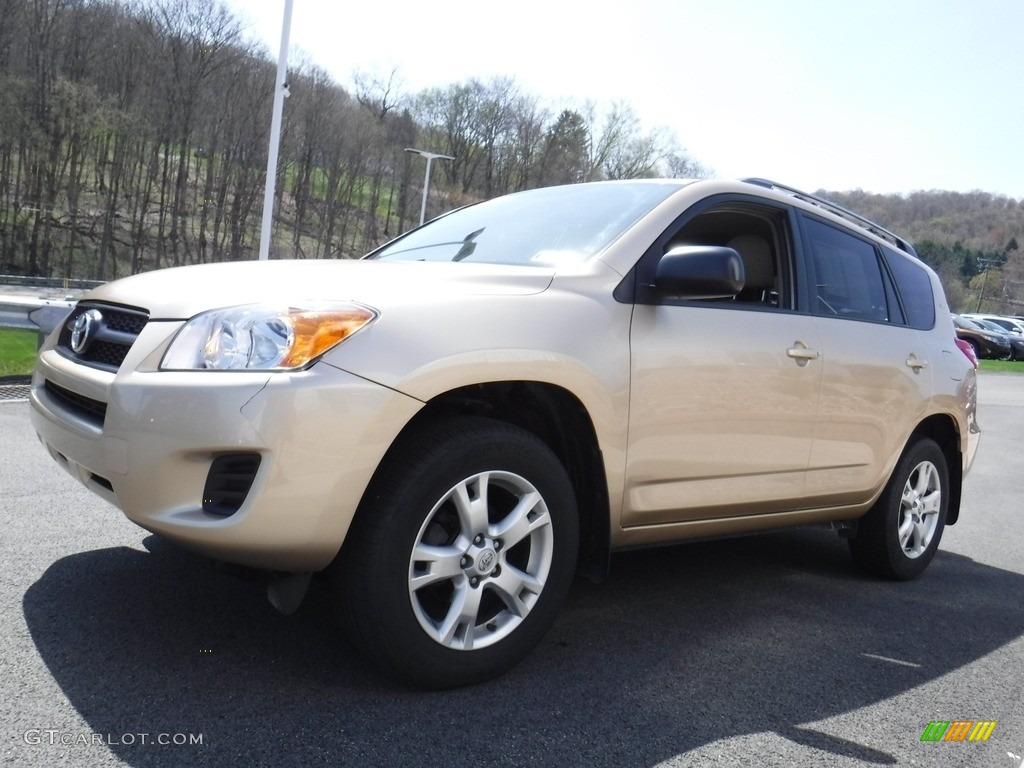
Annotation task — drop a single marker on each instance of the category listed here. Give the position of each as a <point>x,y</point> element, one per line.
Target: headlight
<point>263,337</point>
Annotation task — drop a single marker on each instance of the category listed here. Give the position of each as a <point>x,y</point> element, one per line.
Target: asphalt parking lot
<point>118,649</point>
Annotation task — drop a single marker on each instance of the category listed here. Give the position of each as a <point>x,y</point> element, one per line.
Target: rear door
<point>877,371</point>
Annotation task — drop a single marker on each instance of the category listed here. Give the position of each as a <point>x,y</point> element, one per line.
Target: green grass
<point>17,352</point>
<point>1002,366</point>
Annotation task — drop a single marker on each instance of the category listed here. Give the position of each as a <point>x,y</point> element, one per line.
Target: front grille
<point>106,354</point>
<point>228,482</point>
<point>91,410</point>
<point>104,338</point>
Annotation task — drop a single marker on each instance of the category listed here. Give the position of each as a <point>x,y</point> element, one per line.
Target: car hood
<point>182,292</point>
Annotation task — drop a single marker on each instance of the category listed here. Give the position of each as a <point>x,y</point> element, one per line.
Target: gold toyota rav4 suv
<point>453,426</point>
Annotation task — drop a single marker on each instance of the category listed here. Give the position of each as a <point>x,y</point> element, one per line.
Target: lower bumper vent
<point>228,482</point>
<point>91,410</point>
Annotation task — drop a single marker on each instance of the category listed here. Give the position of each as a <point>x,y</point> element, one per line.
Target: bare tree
<point>377,93</point>
<point>191,37</point>
<point>133,133</point>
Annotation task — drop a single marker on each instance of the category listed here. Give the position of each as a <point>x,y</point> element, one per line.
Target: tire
<point>460,555</point>
<point>899,536</point>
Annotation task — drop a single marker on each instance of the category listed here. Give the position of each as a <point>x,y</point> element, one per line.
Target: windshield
<point>989,326</point>
<point>549,226</point>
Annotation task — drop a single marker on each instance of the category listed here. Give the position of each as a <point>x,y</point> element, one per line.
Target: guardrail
<point>33,313</point>
<point>59,283</point>
<point>39,304</point>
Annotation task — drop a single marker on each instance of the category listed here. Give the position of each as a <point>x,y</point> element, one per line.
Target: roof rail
<point>838,210</point>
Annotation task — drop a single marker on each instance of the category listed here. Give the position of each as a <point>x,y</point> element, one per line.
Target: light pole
<point>280,92</point>
<point>431,156</point>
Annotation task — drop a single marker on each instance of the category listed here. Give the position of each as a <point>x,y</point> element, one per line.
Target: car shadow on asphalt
<point>683,646</point>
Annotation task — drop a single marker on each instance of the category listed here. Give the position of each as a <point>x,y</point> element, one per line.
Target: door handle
<point>801,353</point>
<point>916,363</point>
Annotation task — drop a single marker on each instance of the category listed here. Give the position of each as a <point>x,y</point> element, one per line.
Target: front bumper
<point>320,435</point>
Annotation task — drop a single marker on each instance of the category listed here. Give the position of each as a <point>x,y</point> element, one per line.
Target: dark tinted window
<point>848,276</point>
<point>915,288</point>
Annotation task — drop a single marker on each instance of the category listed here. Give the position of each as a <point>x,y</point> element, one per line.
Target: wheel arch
<point>943,430</point>
<point>561,421</point>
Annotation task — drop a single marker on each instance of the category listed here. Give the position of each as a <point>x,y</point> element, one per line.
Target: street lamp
<point>280,93</point>
<point>431,156</point>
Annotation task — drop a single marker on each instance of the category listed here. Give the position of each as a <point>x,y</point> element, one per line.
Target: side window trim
<point>892,292</point>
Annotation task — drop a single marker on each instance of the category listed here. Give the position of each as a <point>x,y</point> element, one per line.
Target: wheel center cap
<point>485,561</point>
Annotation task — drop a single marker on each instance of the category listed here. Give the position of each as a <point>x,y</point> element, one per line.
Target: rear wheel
<point>898,538</point>
<point>461,555</point>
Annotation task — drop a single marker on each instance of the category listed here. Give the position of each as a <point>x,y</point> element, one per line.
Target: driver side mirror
<point>700,272</point>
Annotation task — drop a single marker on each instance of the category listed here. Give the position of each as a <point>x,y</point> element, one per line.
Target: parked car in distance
<point>987,344</point>
<point>1016,340</point>
<point>452,427</point>
<point>1009,324</point>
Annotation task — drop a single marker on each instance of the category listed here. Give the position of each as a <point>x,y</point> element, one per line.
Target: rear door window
<point>848,279</point>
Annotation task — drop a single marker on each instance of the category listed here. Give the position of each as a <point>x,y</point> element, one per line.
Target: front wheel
<point>898,537</point>
<point>461,554</point>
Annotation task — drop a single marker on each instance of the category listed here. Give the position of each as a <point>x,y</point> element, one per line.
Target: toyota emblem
<point>84,330</point>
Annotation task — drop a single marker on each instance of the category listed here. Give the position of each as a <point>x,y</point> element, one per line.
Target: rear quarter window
<point>915,290</point>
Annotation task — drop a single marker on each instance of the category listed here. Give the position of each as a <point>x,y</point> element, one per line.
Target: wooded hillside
<point>971,239</point>
<point>133,136</point>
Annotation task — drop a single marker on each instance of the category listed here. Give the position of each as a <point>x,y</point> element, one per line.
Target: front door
<point>723,405</point>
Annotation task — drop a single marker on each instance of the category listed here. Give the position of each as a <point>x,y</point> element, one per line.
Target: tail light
<point>968,351</point>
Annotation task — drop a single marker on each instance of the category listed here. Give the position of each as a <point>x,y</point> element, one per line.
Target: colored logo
<point>958,730</point>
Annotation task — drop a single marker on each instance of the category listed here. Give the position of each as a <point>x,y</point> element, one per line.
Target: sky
<point>886,96</point>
